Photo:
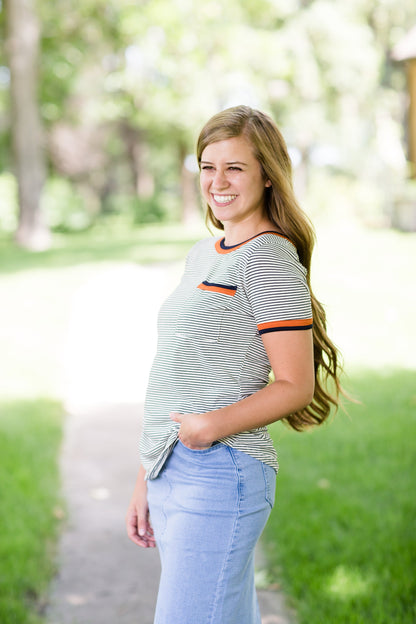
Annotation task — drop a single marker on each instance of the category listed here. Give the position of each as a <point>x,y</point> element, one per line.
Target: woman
<point>243,308</point>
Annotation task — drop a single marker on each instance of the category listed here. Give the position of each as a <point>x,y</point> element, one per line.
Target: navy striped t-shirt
<point>210,352</point>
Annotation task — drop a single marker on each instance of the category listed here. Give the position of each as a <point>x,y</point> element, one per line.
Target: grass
<point>30,433</point>
<point>342,537</point>
<point>110,241</point>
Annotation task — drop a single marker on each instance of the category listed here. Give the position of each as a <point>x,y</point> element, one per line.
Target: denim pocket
<point>204,451</point>
<point>269,483</point>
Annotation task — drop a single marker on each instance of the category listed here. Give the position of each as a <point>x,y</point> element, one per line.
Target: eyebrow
<point>231,162</point>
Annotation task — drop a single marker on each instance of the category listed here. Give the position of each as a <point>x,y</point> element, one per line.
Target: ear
<point>268,184</point>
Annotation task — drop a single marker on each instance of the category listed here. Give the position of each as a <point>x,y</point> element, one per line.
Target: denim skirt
<point>208,509</point>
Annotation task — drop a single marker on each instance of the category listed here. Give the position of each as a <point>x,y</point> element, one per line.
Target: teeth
<point>224,199</point>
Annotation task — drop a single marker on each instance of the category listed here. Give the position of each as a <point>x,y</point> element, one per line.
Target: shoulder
<point>271,247</point>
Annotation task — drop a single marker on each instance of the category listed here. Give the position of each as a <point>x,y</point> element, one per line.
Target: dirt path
<point>103,578</point>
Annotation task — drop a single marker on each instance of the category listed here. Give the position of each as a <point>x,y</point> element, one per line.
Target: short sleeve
<point>277,290</point>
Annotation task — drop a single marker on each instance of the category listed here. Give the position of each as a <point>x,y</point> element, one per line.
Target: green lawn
<point>342,536</point>
<point>110,241</point>
<point>30,433</point>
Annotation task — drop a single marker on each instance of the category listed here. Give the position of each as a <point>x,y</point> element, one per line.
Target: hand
<point>138,526</point>
<point>194,430</point>
<point>139,529</point>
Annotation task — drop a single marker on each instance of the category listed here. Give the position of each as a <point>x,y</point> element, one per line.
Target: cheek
<point>204,185</point>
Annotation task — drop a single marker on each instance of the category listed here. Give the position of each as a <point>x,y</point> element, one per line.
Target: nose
<point>219,180</point>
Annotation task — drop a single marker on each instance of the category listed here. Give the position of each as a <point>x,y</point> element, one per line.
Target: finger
<point>176,417</point>
<point>134,537</point>
<point>145,530</point>
<point>149,536</point>
<point>144,542</point>
<point>147,541</point>
<point>142,526</point>
<point>132,525</point>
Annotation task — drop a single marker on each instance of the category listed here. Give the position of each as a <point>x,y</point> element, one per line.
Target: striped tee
<point>210,352</point>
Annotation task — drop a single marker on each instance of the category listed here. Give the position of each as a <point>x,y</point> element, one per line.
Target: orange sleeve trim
<point>285,325</point>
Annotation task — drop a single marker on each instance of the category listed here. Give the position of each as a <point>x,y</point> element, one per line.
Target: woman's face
<point>231,180</point>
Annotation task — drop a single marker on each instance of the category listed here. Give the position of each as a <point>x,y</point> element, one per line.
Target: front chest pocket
<point>202,314</point>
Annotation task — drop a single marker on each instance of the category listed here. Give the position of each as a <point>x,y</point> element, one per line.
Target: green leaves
<point>161,68</point>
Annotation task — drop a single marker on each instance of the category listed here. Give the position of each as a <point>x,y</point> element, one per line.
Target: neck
<point>236,233</point>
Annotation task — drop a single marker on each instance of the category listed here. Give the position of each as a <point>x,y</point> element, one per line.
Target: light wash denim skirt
<point>208,509</point>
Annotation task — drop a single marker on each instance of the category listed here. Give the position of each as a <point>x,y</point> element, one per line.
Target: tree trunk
<point>138,154</point>
<point>411,77</point>
<point>145,183</point>
<point>23,33</point>
<point>190,213</point>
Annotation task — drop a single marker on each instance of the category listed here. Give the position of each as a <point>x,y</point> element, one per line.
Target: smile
<point>224,199</point>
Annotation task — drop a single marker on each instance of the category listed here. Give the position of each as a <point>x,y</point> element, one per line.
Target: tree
<point>125,86</point>
<point>23,34</point>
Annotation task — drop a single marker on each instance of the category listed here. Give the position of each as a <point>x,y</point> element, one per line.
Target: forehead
<point>228,150</point>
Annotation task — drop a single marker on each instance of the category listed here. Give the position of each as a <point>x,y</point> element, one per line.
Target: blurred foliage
<point>125,86</point>
<point>64,206</point>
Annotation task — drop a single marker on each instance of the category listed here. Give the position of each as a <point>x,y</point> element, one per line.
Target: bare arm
<point>291,358</point>
<point>138,524</point>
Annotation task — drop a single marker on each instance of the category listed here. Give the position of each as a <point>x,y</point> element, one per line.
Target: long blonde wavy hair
<point>284,212</point>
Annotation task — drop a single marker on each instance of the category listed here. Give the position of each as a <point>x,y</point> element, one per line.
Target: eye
<point>206,167</point>
<point>233,168</point>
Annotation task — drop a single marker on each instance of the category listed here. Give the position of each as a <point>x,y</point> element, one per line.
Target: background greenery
<point>30,432</point>
<point>124,88</point>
